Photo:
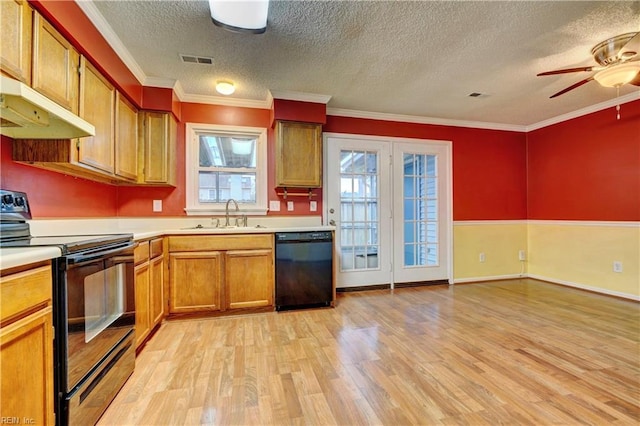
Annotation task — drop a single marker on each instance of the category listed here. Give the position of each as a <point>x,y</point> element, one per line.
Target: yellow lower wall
<point>582,255</point>
<point>500,242</point>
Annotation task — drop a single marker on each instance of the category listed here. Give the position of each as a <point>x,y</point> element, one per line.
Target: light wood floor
<point>507,352</point>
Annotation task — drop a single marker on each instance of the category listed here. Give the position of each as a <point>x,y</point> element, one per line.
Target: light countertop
<point>12,257</point>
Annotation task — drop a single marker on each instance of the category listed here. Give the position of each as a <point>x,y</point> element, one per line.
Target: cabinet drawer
<point>156,247</point>
<point>141,253</point>
<point>226,242</point>
<point>24,291</point>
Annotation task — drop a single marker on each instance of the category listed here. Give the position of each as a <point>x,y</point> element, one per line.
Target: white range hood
<point>26,114</point>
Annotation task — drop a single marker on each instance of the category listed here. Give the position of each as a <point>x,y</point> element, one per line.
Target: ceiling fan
<point>619,63</point>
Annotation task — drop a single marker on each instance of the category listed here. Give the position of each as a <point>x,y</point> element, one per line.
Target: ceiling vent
<point>191,59</point>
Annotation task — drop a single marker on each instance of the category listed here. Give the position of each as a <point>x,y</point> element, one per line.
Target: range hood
<point>26,114</point>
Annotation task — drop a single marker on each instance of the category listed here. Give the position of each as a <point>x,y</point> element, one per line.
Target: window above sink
<point>226,162</point>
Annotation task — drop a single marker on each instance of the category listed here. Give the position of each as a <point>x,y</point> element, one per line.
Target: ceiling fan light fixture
<point>617,75</point>
<point>241,16</point>
<point>225,87</point>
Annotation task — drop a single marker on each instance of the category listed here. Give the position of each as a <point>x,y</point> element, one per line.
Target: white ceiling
<point>410,58</point>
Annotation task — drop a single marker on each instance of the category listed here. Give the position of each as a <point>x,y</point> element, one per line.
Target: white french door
<point>390,202</point>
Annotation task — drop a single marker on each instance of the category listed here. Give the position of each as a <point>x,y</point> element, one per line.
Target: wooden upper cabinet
<point>298,155</point>
<point>97,106</point>
<point>55,65</point>
<point>16,21</point>
<point>126,143</point>
<point>157,143</point>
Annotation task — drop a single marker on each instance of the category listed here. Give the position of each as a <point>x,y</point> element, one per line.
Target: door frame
<point>392,140</point>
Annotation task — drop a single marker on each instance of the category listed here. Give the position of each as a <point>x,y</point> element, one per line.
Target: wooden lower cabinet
<point>26,347</point>
<point>143,323</point>
<point>156,290</point>
<point>248,281</point>
<point>195,282</point>
<point>220,273</point>
<point>149,284</point>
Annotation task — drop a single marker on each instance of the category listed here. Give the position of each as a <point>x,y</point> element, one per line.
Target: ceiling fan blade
<point>631,48</point>
<point>567,70</point>
<point>573,86</point>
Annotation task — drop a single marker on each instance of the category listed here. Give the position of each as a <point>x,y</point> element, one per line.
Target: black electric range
<point>93,311</point>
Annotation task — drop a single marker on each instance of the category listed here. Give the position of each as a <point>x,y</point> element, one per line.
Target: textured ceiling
<point>418,58</point>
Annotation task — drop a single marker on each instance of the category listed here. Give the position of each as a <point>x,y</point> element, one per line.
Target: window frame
<point>192,168</point>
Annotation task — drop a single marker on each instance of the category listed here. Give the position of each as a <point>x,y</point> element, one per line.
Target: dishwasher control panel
<point>305,236</point>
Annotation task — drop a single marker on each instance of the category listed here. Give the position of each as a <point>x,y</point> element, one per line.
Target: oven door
<point>97,304</point>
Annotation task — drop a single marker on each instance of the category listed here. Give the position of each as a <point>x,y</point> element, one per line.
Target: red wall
<point>54,194</point>
<point>587,168</point>
<point>489,173</point>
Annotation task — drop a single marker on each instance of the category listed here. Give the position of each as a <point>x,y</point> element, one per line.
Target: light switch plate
<point>290,206</point>
<point>157,205</point>
<point>313,206</point>
<point>274,205</point>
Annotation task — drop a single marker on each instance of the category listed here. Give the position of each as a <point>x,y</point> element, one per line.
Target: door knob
<point>332,222</point>
<point>332,211</point>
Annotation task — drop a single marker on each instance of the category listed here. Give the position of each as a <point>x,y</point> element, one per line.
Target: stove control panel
<point>14,206</point>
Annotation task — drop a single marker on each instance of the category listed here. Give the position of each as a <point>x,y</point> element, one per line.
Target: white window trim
<point>194,207</point>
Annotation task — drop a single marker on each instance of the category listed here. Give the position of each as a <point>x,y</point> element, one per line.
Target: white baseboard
<point>489,278</point>
<point>586,287</point>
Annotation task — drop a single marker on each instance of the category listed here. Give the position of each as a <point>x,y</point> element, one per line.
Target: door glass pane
<point>359,210</point>
<point>420,202</point>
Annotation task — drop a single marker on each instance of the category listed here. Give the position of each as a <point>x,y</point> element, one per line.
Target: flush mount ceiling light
<point>617,75</point>
<point>225,87</point>
<point>243,16</point>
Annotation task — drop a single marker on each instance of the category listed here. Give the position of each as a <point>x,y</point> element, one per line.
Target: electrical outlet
<point>313,206</point>
<point>157,205</point>
<point>290,206</point>
<point>617,266</point>
<point>522,255</point>
<point>482,258</point>
<point>274,205</point>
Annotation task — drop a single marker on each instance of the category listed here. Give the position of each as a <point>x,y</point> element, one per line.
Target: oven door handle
<point>83,258</point>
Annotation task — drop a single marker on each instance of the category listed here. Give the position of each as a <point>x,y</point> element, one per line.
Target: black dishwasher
<point>304,269</point>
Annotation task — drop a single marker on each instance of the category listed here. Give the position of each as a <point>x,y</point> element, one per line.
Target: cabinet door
<point>143,322</point>
<point>126,141</point>
<point>298,155</point>
<point>16,21</point>
<point>158,135</point>
<point>156,278</point>
<point>249,278</point>
<point>26,368</point>
<point>195,282</point>
<point>55,65</point>
<point>97,106</point>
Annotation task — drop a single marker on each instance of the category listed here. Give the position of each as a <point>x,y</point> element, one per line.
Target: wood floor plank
<point>508,352</point>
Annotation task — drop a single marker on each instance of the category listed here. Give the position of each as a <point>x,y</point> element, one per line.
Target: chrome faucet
<point>226,216</point>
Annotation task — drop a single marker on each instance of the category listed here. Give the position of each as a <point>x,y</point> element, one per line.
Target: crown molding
<point>165,83</point>
<point>584,111</point>
<point>300,96</point>
<point>423,120</point>
<point>219,100</point>
<point>103,27</point>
